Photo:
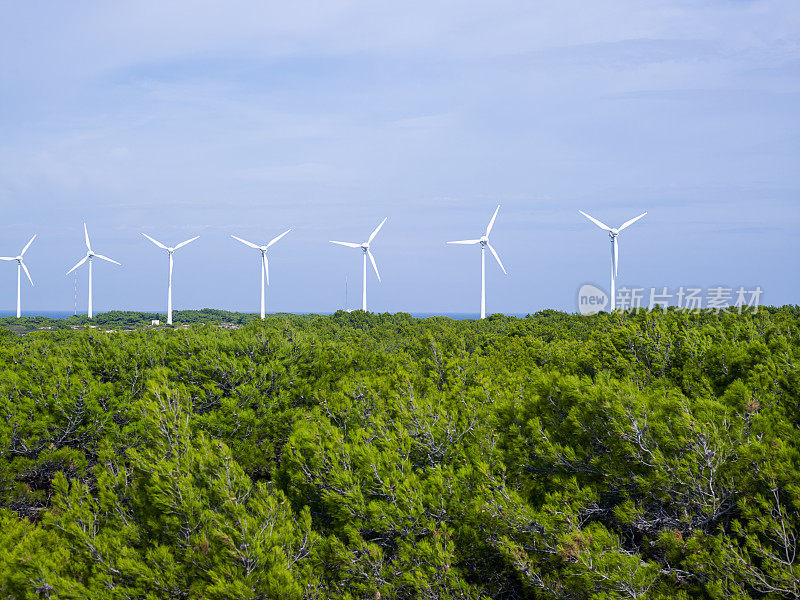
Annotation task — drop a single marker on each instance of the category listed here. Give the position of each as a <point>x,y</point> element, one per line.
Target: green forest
<point>365,456</point>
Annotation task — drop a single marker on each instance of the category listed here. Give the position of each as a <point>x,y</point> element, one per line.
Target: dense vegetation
<point>382,456</point>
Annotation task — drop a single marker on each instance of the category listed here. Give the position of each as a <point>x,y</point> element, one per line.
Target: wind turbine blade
<point>275,239</point>
<point>156,242</point>
<point>491,223</point>
<point>497,257</point>
<point>348,244</point>
<point>616,256</point>
<point>7,258</point>
<point>245,242</point>
<point>631,222</point>
<point>24,268</point>
<point>375,232</point>
<point>80,262</point>
<point>111,260</point>
<point>464,242</point>
<point>600,224</point>
<point>86,234</point>
<point>182,244</point>
<point>266,267</point>
<point>28,245</point>
<point>374,266</point>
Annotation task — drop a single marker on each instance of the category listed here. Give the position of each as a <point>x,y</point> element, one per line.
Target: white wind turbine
<point>264,268</point>
<point>365,249</point>
<point>613,233</point>
<point>484,242</point>
<point>20,267</point>
<point>170,250</point>
<point>90,254</point>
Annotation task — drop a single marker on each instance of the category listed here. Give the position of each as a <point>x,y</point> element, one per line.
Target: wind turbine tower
<point>20,267</point>
<point>170,250</point>
<point>264,268</point>
<point>484,242</point>
<point>90,255</point>
<point>366,252</point>
<point>613,234</point>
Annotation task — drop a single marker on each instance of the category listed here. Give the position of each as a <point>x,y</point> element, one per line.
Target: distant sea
<point>50,314</point>
<point>63,314</point>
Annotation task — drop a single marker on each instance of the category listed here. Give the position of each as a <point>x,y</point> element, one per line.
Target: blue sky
<point>211,119</point>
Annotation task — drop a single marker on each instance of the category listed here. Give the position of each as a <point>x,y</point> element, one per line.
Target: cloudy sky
<point>246,118</point>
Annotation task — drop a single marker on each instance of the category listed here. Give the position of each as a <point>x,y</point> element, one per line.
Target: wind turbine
<point>613,233</point>
<point>365,249</point>
<point>264,262</point>
<point>484,242</point>
<point>90,254</point>
<point>20,267</point>
<point>170,250</point>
